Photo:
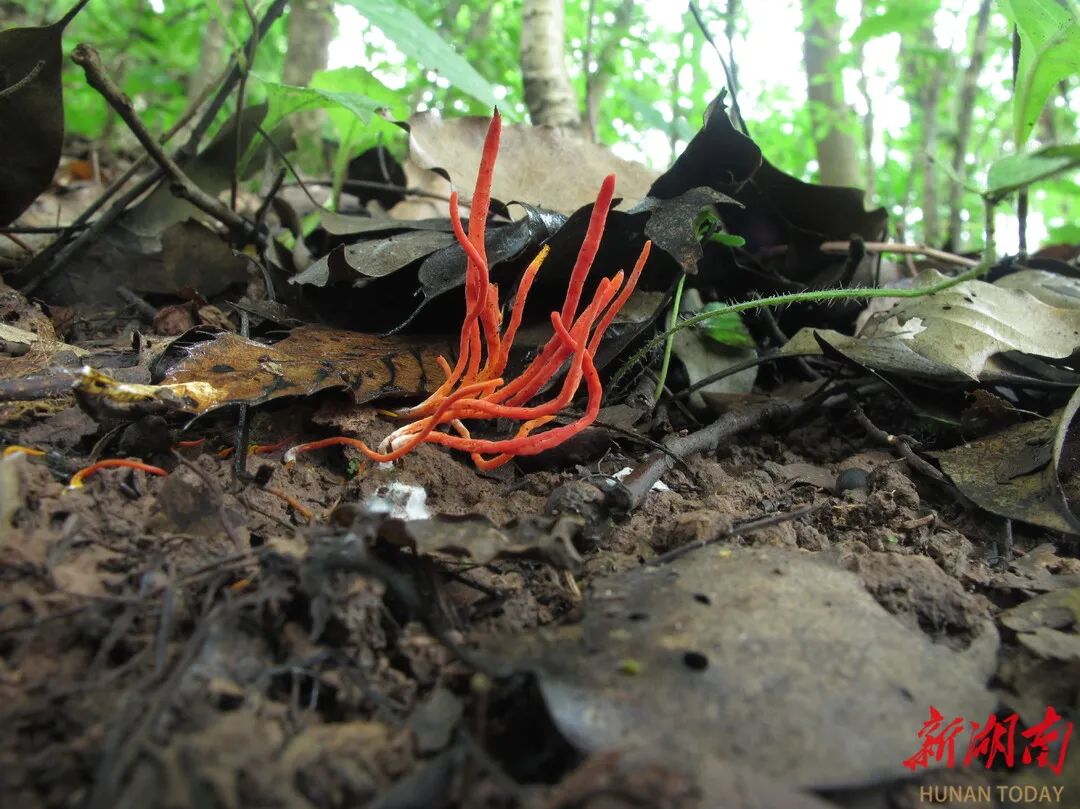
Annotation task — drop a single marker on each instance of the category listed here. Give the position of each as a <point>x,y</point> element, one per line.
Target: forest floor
<point>192,640</point>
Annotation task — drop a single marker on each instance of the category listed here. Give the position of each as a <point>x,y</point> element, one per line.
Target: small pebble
<point>852,478</point>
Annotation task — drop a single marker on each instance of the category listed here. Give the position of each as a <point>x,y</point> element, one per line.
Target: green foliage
<point>1049,52</point>
<point>726,328</point>
<point>1019,171</point>
<point>406,30</point>
<point>351,133</point>
<point>900,18</point>
<point>284,100</point>
<point>1066,234</point>
<point>656,74</point>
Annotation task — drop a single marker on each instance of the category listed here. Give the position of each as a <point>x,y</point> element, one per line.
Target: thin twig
<point>243,425</point>
<point>189,149</point>
<point>130,297</point>
<point>248,56</point>
<point>88,58</point>
<point>46,229</point>
<point>766,315</point>
<point>737,530</point>
<point>731,370</point>
<point>25,80</point>
<point>640,482</point>
<point>377,186</point>
<point>895,247</point>
<point>900,444</point>
<point>64,254</point>
<point>21,244</point>
<point>728,75</point>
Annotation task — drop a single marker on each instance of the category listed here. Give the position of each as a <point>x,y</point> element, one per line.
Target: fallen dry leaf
<point>546,167</point>
<point>199,375</point>
<point>745,656</point>
<point>957,333</point>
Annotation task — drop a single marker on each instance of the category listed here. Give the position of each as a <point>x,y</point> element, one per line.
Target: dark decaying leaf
<point>201,371</point>
<point>154,248</point>
<point>337,224</point>
<point>673,224</point>
<point>1014,473</point>
<point>778,210</point>
<point>757,657</point>
<point>379,166</point>
<point>445,270</point>
<point>443,266</point>
<point>718,156</point>
<point>374,258</point>
<point>185,254</point>
<point>31,112</point>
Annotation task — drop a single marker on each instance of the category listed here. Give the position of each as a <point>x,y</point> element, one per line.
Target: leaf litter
<point>708,629</point>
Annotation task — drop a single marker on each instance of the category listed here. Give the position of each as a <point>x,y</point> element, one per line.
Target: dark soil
<point>193,640</point>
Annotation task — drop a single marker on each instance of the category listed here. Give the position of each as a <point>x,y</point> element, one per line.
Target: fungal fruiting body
<point>475,387</point>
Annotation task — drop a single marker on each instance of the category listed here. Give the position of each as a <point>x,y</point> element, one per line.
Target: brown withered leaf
<point>1015,472</point>
<point>1040,570</point>
<point>538,165</point>
<point>1047,624</point>
<point>740,656</point>
<point>42,351</point>
<point>201,371</point>
<point>476,538</point>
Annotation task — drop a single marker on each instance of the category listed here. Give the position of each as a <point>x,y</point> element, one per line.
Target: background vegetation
<point>921,90</point>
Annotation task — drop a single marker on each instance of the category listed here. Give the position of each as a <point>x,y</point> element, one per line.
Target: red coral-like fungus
<point>474,387</point>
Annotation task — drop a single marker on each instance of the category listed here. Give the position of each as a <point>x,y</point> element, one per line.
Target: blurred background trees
<point>909,100</point>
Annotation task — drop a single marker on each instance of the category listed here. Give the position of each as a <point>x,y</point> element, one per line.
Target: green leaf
<point>1049,52</point>
<point>1017,171</point>
<point>420,42</point>
<point>899,18</point>
<point>726,329</point>
<point>1065,234</point>
<point>285,99</point>
<point>730,239</point>
<point>352,80</point>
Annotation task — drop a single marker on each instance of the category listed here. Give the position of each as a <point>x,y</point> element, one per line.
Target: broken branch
<point>96,76</point>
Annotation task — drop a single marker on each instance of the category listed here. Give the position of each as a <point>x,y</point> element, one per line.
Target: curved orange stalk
<point>79,477</point>
<point>533,444</point>
<point>473,387</point>
<point>590,246</point>
<point>487,464</point>
<point>524,286</point>
<point>622,298</point>
<point>424,428</point>
<point>474,408</point>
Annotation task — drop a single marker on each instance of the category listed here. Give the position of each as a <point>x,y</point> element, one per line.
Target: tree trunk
<point>212,53</point>
<point>930,126</point>
<point>596,81</point>
<point>309,30</point>
<point>548,93</point>
<point>731,19</point>
<point>832,118</point>
<point>927,69</point>
<point>868,118</point>
<point>964,107</point>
